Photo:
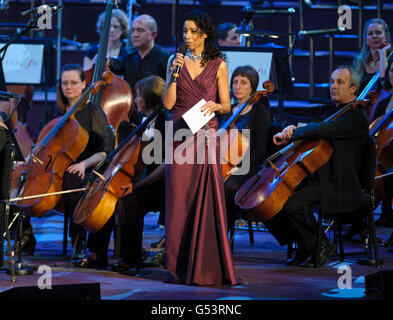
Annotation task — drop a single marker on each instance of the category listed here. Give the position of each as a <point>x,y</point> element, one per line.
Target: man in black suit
<point>336,186</point>
<point>145,58</point>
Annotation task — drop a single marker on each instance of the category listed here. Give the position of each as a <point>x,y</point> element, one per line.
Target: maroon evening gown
<point>197,245</point>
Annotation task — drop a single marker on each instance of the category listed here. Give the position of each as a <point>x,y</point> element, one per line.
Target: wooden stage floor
<point>261,269</point>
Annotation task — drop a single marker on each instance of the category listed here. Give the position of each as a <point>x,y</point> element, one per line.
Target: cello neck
<point>382,123</point>
<point>63,120</point>
<point>233,118</point>
<point>254,98</point>
<point>138,129</point>
<point>103,47</point>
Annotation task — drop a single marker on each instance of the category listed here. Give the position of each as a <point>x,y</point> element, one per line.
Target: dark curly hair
<point>204,23</point>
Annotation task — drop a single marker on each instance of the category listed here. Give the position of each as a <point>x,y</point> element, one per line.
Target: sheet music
<point>195,118</point>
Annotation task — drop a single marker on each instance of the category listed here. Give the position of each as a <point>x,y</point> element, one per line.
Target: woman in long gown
<point>197,246</point>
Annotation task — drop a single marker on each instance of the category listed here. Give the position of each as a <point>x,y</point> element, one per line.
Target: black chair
<point>7,155</point>
<point>366,203</point>
<point>243,215</point>
<point>271,148</point>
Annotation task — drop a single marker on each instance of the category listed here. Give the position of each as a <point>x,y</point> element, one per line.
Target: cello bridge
<point>35,160</point>
<point>274,167</point>
<point>99,175</point>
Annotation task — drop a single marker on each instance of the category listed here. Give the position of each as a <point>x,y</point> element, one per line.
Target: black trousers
<point>98,242</point>
<point>296,221</point>
<point>130,211</point>
<point>231,186</point>
<point>72,181</point>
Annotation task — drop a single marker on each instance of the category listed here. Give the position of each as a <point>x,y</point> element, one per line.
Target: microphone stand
<point>314,33</point>
<point>32,24</point>
<point>18,152</point>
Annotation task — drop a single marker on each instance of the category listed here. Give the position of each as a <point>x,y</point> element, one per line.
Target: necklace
<point>373,63</point>
<point>194,58</point>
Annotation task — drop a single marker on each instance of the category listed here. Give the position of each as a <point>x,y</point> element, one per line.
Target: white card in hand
<point>195,118</point>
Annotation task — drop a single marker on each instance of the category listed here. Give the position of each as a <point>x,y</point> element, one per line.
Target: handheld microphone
<point>41,8</point>
<point>5,94</point>
<point>183,51</point>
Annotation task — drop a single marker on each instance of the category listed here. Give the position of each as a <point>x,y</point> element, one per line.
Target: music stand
<point>280,73</point>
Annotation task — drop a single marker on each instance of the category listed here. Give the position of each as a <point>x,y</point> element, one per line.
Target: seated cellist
<point>255,117</point>
<point>147,193</point>
<point>101,142</point>
<point>336,186</point>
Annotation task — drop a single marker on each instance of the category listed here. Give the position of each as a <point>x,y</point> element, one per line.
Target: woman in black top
<point>147,192</point>
<point>376,48</point>
<point>101,142</point>
<point>257,119</point>
<point>118,33</point>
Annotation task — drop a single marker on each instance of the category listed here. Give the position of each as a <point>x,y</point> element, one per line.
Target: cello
<point>98,202</point>
<point>235,144</point>
<point>116,98</point>
<point>59,144</point>
<point>19,126</point>
<point>382,129</point>
<point>266,193</point>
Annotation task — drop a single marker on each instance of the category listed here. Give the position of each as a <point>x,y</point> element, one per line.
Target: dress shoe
<point>159,245</point>
<point>122,267</point>
<point>327,249</point>
<point>78,248</point>
<point>27,244</point>
<point>301,255</point>
<point>93,263</point>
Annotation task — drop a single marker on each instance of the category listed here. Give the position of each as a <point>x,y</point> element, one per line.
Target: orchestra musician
<point>101,142</point>
<point>148,193</point>
<point>373,56</point>
<point>145,194</point>
<point>146,58</point>
<point>336,186</point>
<point>255,117</point>
<point>118,33</point>
<point>227,36</point>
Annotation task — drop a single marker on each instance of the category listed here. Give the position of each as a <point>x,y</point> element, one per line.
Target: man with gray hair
<point>336,186</point>
<point>145,58</point>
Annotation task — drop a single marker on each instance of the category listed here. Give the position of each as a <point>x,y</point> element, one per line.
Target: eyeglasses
<point>71,83</point>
